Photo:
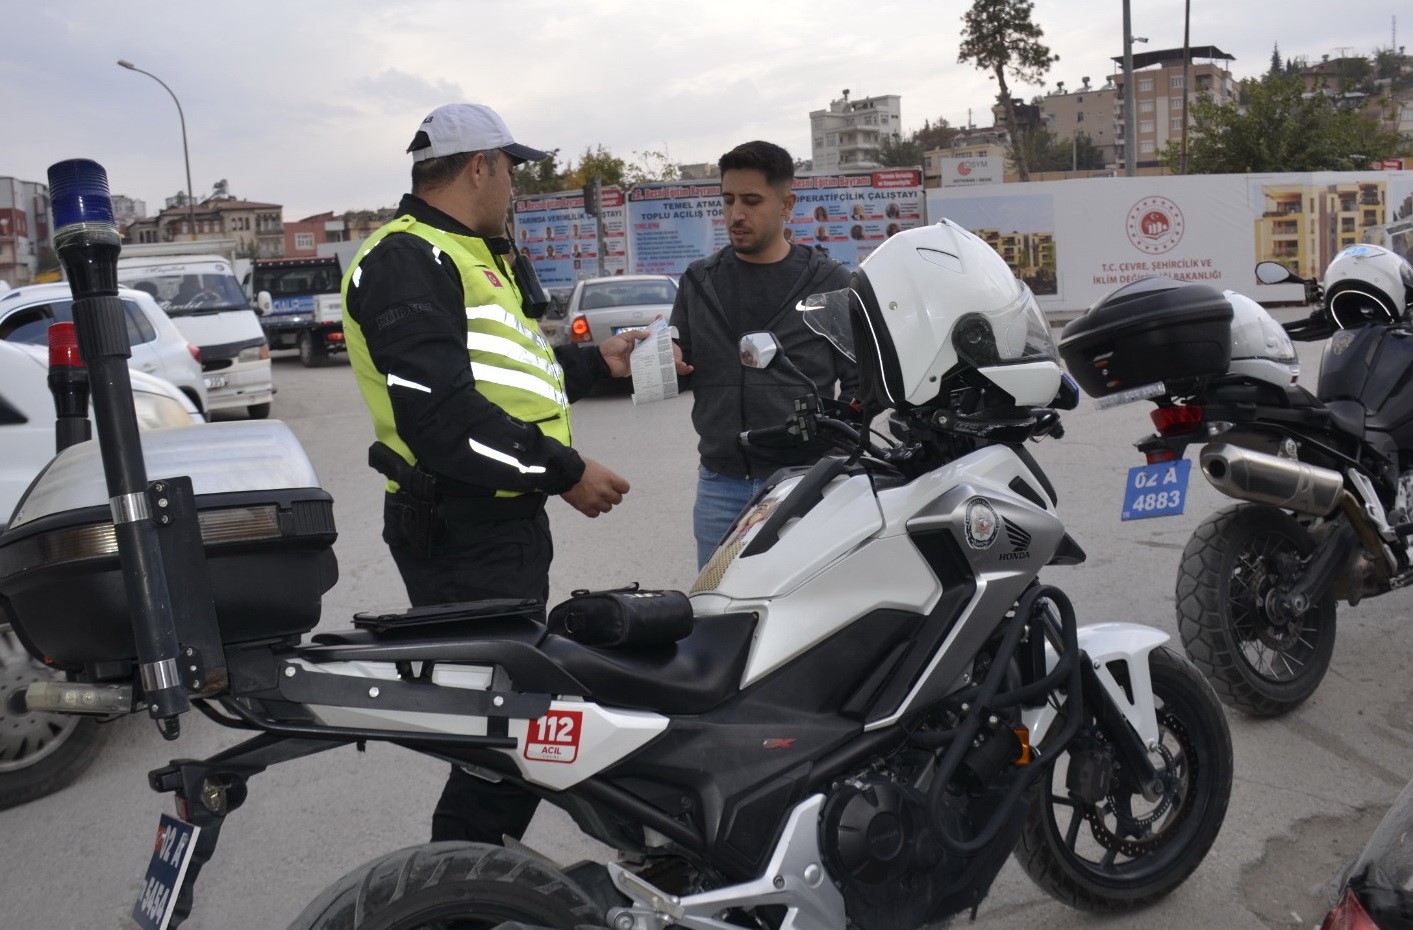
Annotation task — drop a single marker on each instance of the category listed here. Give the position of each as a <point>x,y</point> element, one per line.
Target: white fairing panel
<point>885,574</point>
<point>846,516</point>
<point>577,740</point>
<point>476,678</point>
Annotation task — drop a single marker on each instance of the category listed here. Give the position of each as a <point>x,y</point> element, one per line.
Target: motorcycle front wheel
<point>450,886</point>
<point>1259,662</point>
<point>1128,850</point>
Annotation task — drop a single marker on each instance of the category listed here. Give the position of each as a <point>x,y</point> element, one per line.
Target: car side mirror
<point>263,303</point>
<point>758,350</point>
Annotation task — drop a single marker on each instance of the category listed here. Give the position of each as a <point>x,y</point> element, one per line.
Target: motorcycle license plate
<point>176,841</point>
<point>1156,490</point>
<point>215,381</point>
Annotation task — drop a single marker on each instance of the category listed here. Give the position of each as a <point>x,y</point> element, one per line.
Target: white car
<point>41,753</point>
<point>158,348</point>
<point>603,307</point>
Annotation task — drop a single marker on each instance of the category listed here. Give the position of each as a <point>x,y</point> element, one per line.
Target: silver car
<point>602,307</point>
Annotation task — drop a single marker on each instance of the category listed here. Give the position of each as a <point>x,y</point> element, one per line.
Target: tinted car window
<point>31,325</point>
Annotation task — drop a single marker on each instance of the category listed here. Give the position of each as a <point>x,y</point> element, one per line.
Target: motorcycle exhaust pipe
<point>1269,479</point>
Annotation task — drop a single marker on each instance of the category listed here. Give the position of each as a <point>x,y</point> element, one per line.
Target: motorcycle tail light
<point>579,330</point>
<point>1172,421</point>
<point>1348,914</point>
<point>1161,455</point>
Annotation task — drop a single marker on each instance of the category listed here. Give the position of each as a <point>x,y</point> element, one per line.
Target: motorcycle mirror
<point>758,350</point>
<point>263,303</point>
<point>1276,273</point>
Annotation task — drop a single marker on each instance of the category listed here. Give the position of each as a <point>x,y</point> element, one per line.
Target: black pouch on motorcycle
<point>267,531</point>
<point>1150,330</point>
<point>624,618</point>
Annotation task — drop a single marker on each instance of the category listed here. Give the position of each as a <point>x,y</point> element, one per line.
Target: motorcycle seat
<point>1347,417</point>
<point>690,676</point>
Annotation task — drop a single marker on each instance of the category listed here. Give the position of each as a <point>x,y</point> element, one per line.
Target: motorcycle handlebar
<point>768,437</point>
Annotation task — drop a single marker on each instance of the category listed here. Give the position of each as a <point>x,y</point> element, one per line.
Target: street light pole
<point>186,155</point>
<point>1130,117</point>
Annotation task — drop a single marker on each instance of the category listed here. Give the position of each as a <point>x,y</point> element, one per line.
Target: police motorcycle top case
<point>876,702</point>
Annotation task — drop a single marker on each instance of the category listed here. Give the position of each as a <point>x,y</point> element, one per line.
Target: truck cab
<point>300,306</point>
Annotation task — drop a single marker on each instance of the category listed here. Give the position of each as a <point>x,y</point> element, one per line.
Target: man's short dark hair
<point>439,172</point>
<point>767,157</point>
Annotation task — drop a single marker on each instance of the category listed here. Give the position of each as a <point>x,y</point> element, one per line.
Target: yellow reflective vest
<point>513,367</point>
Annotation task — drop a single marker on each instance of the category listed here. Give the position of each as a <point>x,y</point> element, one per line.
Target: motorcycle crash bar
<point>1269,479</point>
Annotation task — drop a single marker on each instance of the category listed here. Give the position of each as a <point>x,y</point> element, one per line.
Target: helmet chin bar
<point>1030,384</point>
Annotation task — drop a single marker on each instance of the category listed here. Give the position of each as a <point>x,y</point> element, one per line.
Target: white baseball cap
<point>467,127</point>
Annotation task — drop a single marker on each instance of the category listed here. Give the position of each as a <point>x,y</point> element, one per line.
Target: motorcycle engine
<point>879,844</point>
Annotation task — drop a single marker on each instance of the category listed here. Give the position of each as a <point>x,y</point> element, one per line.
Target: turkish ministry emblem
<point>1154,225</point>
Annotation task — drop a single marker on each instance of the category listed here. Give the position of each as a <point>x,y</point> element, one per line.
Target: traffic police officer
<point>469,403</point>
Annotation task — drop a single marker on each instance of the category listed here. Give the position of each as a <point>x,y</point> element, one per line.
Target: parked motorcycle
<point>1326,479</point>
<point>868,701</point>
<point>1375,891</point>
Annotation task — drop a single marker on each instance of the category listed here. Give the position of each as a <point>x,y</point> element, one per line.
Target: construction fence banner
<point>667,225</point>
<point>1075,241</point>
<point>562,240</point>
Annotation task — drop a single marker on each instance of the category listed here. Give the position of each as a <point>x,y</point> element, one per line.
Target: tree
<point>651,165</point>
<point>597,162</point>
<point>538,177</point>
<point>1278,127</point>
<point>1275,58</point>
<point>897,152</point>
<point>999,36</point>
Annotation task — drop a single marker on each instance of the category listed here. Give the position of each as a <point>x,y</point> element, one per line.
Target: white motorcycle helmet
<point>929,303</point>
<point>1367,284</point>
<point>1260,347</point>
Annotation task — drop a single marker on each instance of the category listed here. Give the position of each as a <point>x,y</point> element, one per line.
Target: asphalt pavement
<point>1307,790</point>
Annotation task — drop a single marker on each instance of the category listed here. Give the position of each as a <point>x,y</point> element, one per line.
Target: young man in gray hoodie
<point>751,285</point>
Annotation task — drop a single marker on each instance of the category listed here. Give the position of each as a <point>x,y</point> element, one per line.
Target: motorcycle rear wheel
<point>1257,664</point>
<point>449,886</point>
<point>1135,851</point>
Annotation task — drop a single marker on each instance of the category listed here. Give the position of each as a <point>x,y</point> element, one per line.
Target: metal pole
<point>186,155</point>
<point>1186,68</point>
<point>1130,106</point>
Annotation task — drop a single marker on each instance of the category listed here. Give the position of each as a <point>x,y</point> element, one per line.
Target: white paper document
<point>654,372</point>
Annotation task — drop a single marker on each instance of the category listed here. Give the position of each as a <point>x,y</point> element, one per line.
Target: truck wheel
<point>258,411</point>
<point>312,351</point>
<point>39,753</point>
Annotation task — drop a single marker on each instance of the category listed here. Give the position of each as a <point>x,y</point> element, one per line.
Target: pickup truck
<point>299,303</point>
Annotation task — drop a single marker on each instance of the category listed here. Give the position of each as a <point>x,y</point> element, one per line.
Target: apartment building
<point>1161,97</point>
<point>24,229</point>
<point>847,134</point>
<point>1089,112</point>
<point>257,228</point>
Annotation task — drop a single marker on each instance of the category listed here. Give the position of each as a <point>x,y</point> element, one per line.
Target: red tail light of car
<point>195,352</point>
<point>579,330</point>
<point>1348,914</point>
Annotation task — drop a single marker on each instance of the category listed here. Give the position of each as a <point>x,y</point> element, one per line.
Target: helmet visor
<point>1013,334</point>
<point>827,315</point>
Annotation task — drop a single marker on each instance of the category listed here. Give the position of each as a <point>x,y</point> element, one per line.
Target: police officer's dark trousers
<point>472,559</point>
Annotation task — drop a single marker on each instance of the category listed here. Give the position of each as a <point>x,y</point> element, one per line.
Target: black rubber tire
<point>1259,668</point>
<point>39,753</point>
<point>258,411</point>
<point>312,352</point>
<point>450,886</point>
<point>1197,771</point>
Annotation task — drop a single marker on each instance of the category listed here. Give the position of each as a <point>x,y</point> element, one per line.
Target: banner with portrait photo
<point>849,214</point>
<point>561,240</point>
<point>672,224</point>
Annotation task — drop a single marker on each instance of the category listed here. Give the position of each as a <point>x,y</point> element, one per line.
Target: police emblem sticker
<point>982,523</point>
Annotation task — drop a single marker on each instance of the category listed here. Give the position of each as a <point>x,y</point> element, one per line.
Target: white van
<point>202,296</point>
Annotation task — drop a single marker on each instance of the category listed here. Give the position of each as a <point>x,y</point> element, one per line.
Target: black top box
<point>1150,330</point>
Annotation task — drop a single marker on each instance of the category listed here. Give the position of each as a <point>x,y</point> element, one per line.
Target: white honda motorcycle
<point>867,703</point>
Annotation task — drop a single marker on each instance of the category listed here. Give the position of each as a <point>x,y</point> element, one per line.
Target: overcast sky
<point>310,103</point>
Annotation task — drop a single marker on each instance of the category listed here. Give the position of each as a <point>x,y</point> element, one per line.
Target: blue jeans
<point>720,500</point>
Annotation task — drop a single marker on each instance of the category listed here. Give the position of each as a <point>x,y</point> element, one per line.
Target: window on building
<point>1079,117</point>
<point>304,241</point>
<point>1145,125</point>
<point>1175,123</point>
<point>1145,106</point>
<point>1175,80</point>
<point>1175,102</point>
<point>1146,148</point>
<point>1145,84</point>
